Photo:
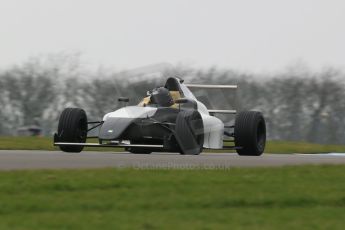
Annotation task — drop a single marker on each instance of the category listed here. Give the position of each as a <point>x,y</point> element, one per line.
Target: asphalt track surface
<point>23,159</point>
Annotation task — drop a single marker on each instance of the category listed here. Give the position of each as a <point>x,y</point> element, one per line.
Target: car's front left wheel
<point>189,132</point>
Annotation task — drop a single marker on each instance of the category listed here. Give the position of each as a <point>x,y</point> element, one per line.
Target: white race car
<point>169,119</point>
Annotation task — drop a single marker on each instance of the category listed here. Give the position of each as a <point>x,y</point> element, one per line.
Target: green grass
<point>300,197</point>
<point>44,143</point>
<point>26,143</point>
<point>301,147</point>
<point>39,143</point>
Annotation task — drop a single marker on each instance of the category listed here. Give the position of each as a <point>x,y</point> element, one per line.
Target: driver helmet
<point>161,96</point>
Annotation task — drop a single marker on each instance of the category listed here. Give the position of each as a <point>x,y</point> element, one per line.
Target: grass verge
<point>44,143</point>
<point>301,147</point>
<point>39,143</point>
<point>300,197</point>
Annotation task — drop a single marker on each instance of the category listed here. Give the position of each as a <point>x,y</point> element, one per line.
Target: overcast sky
<point>265,35</point>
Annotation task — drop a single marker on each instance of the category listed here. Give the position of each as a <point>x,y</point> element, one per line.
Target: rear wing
<point>213,111</point>
<point>211,86</point>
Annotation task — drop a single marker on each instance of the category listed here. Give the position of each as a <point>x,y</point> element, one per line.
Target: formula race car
<point>169,119</point>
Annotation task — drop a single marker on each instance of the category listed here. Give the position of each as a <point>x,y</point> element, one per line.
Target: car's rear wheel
<point>250,133</point>
<point>72,128</point>
<point>189,132</point>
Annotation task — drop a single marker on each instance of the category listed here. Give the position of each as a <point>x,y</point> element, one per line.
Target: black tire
<point>72,128</point>
<point>189,132</point>
<point>250,133</point>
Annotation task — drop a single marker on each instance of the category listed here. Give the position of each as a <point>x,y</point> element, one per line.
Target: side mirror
<point>123,99</point>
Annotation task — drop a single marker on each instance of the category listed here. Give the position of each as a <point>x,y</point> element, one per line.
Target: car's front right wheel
<point>72,129</point>
<point>250,133</point>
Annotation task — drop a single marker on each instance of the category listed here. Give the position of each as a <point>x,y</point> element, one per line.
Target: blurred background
<point>286,56</point>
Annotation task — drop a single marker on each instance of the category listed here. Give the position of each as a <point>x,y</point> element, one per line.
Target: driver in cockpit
<point>160,96</point>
